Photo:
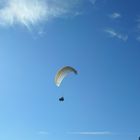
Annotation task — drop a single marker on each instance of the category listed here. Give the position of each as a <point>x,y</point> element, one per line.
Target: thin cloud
<point>115,34</point>
<point>32,12</point>
<point>91,133</point>
<point>115,15</point>
<point>23,12</point>
<point>43,133</point>
<point>138,38</point>
<point>92,1</point>
<point>138,29</point>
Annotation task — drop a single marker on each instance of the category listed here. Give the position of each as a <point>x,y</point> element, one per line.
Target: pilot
<point>61,99</point>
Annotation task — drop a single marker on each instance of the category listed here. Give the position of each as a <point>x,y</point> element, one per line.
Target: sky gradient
<point>100,39</point>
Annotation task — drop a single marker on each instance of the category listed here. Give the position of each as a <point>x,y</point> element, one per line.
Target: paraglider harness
<point>61,99</point>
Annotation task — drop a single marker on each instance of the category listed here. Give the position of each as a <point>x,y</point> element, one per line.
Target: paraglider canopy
<point>62,73</point>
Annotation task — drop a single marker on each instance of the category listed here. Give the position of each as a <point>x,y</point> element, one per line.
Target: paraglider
<point>61,74</point>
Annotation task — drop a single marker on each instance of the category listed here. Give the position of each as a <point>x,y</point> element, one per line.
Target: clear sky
<point>99,38</point>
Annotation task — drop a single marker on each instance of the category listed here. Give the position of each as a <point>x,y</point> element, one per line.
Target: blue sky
<point>100,38</point>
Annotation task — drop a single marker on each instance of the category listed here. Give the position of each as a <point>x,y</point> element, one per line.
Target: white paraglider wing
<point>62,73</point>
